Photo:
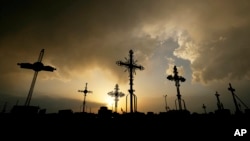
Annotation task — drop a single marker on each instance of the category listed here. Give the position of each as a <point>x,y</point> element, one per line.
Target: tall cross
<point>177,80</point>
<point>37,66</point>
<point>85,93</point>
<point>234,99</point>
<point>116,94</point>
<point>131,66</point>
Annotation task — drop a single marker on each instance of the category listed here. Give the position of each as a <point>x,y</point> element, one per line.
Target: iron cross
<point>37,66</point>
<point>131,67</point>
<point>116,94</point>
<point>177,80</point>
<point>85,93</point>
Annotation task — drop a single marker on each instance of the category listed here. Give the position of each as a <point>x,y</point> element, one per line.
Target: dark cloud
<point>77,35</point>
<point>225,57</point>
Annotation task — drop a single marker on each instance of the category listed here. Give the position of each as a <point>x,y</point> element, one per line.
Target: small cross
<point>85,93</point>
<point>177,80</point>
<point>116,94</point>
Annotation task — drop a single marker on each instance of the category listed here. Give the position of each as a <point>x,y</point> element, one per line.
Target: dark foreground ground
<point>164,126</point>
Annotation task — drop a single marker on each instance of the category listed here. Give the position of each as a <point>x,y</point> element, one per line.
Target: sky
<point>208,42</point>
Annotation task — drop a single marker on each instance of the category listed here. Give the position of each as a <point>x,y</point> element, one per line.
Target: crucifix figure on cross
<point>131,67</point>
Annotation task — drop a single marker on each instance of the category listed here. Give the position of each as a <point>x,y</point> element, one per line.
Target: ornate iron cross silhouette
<point>177,80</point>
<point>131,67</point>
<point>116,94</point>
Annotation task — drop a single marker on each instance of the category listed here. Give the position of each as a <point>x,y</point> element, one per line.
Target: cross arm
<point>138,67</point>
<point>170,77</point>
<point>85,91</point>
<point>111,93</point>
<point>89,91</point>
<point>182,79</point>
<point>25,65</point>
<point>120,94</point>
<point>120,63</point>
<point>48,68</point>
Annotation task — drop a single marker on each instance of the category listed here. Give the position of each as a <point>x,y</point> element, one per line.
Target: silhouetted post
<point>37,66</point>
<point>84,99</point>
<point>131,66</point>
<point>177,80</point>
<point>116,94</point>
<point>234,99</point>
<point>126,102</point>
<point>135,102</point>
<point>219,104</point>
<point>204,107</point>
<point>166,105</point>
